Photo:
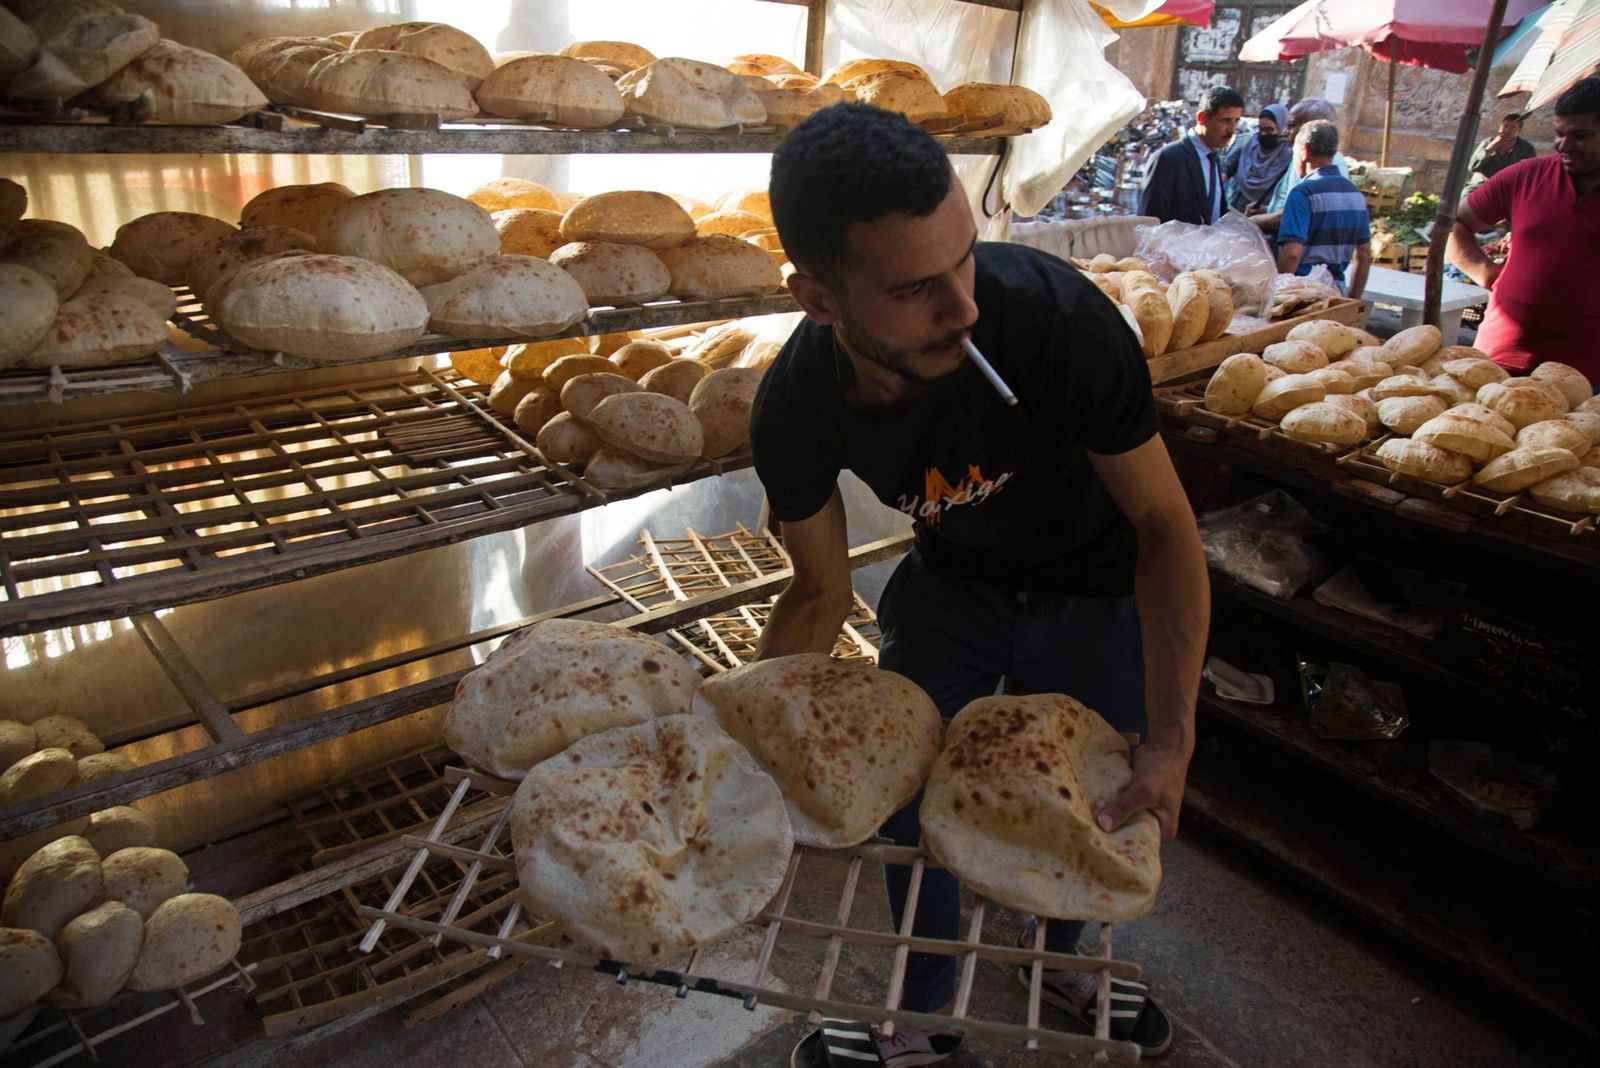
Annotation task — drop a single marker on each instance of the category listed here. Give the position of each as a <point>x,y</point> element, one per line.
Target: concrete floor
<point>1252,973</point>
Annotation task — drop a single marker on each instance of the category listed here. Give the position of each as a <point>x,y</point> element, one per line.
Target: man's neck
<point>869,385</point>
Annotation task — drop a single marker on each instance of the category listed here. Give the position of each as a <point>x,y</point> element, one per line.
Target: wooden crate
<point>1175,365</point>
<point>1417,258</point>
<point>1381,201</point>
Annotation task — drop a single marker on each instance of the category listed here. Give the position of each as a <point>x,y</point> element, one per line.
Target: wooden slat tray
<point>1186,403</point>
<point>780,921</point>
<point>1176,365</point>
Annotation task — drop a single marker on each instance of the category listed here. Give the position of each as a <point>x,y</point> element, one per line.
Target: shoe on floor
<point>1135,1016</point>
<point>846,1042</point>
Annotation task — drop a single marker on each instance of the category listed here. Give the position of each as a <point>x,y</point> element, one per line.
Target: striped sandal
<point>839,1043</point>
<point>1135,1016</point>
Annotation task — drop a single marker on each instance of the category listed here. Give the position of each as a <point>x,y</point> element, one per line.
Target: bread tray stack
<point>1185,403</point>
<point>754,986</point>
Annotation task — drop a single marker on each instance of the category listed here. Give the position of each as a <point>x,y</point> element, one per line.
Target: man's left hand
<point>1156,787</point>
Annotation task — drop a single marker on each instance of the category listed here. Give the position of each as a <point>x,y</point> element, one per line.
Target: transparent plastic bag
<point>1233,246</point>
<point>1261,543</point>
<point>1346,705</point>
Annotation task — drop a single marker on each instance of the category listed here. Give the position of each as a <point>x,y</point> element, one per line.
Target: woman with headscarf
<point>1258,160</point>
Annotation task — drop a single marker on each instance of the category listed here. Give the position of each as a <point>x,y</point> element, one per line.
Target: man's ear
<point>814,298</point>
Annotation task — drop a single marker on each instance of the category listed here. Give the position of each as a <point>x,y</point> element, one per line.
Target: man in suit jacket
<point>1184,180</point>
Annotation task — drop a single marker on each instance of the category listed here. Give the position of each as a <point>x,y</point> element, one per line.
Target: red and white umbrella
<point>1425,33</point>
<point>1566,50</point>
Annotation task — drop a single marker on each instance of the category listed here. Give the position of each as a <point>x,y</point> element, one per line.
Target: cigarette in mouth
<point>989,372</point>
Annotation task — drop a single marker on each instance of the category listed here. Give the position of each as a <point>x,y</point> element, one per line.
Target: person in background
<point>1495,154</point>
<point>1325,219</point>
<point>1310,109</point>
<point>1544,301</point>
<point>1184,180</point>
<point>1255,162</point>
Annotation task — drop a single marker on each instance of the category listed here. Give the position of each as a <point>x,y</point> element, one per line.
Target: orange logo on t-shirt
<point>939,495</point>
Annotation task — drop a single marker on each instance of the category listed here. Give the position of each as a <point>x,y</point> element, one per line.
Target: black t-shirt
<point>999,494</point>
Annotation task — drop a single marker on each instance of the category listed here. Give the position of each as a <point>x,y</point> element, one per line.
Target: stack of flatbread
<point>1011,803</point>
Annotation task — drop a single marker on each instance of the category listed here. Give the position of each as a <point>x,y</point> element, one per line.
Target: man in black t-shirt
<point>1054,544</point>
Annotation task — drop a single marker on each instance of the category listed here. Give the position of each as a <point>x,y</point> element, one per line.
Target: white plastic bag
<point>1233,246</point>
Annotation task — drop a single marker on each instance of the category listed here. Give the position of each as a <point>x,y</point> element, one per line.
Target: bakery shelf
<point>172,369</point>
<point>1443,900</point>
<point>1401,778</point>
<point>314,139</point>
<point>100,520</point>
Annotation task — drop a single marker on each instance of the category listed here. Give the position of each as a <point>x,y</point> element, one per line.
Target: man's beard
<point>899,360</point>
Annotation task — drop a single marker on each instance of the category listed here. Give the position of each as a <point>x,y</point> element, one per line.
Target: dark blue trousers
<point>957,639</point>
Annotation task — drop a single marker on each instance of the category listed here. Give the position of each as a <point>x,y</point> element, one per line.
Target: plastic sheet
<point>1233,246</point>
<point>1261,543</point>
<point>1346,705</point>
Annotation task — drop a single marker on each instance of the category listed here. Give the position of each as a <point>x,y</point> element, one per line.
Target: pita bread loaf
<point>509,296</point>
<point>240,247</point>
<point>649,425</point>
<point>102,765</point>
<point>581,394</point>
<point>557,681</point>
<point>1478,441</point>
<point>1475,372</point>
<point>1280,396</point>
<point>379,84</point>
<point>28,306</point>
<point>1404,415</point>
<point>69,733</point>
<point>912,95</point>
<point>616,470</point>
<point>84,54</point>
<point>1522,405</point>
<point>186,938</point>
<point>615,53</point>
<point>645,841</point>
<point>30,968</point>
<point>534,409</point>
<point>98,951</point>
<point>612,273</point>
<point>507,393</point>
<point>1562,433</point>
<point>529,360</point>
<point>676,379</point>
<point>444,45</point>
<point>565,368</point>
<point>161,244</point>
<point>42,772</point>
<point>112,277</point>
<point>638,358</point>
<point>762,64</point>
<point>1484,414</point>
<point>1577,490</point>
<point>1296,357</point>
<point>1569,380</point>
<point>689,93</point>
<point>298,207</point>
<point>1334,339</point>
<point>1147,303</point>
<point>1412,345</point>
<point>1588,422</point>
<point>186,86</point>
<point>851,69</point>
<point>56,250</point>
<point>97,330</point>
<point>1367,373</point>
<point>732,223</point>
<point>714,266</point>
<point>789,104</point>
<point>283,75</point>
<point>1010,809</point>
<point>1324,423</point>
<point>1235,384</point>
<point>566,440</point>
<point>321,307</point>
<point>117,828</point>
<point>1335,380</point>
<point>424,235</point>
<point>1364,409</point>
<point>17,740</point>
<point>1524,466</point>
<point>52,886</point>
<point>218,291</point>
<point>1430,463</point>
<point>849,744</point>
<point>498,194</point>
<point>50,17</point>
<point>1017,105</point>
<point>722,401</point>
<point>142,877</point>
<point>557,89</point>
<point>1452,390</point>
<point>528,231</point>
<point>250,56</point>
<point>632,217</point>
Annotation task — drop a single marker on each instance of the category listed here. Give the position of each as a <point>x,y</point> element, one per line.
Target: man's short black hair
<point>1217,97</point>
<point>1582,99</point>
<point>1512,117</point>
<point>845,164</point>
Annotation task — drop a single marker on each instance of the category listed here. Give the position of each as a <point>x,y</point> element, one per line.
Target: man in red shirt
<point>1544,301</point>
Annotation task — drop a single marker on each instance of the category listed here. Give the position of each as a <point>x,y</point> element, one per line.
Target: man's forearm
<point>1289,257</point>
<point>1173,593</point>
<point>804,620</point>
<point>1358,274</point>
<point>1268,220</point>
<point>1463,250</point>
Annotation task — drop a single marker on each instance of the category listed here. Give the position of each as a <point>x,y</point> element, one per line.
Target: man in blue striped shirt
<point>1325,217</point>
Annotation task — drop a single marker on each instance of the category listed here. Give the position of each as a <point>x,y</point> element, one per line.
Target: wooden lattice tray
<point>676,570</point>
<point>1186,403</point>
<point>827,935</point>
<point>100,520</point>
